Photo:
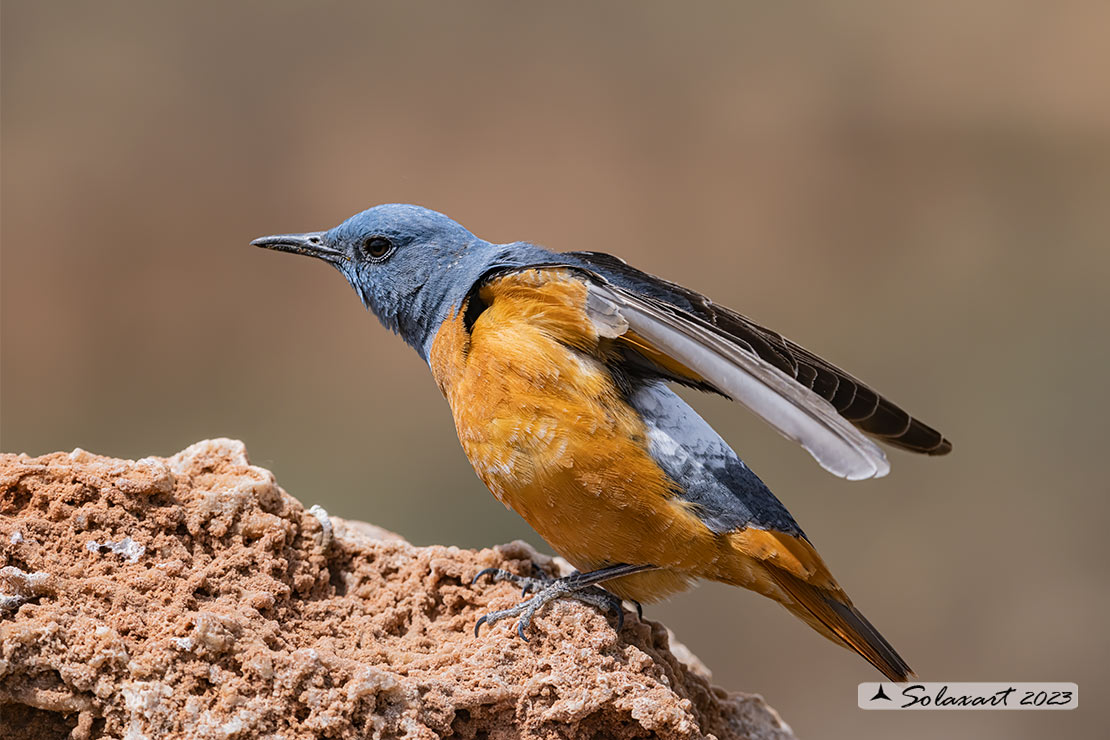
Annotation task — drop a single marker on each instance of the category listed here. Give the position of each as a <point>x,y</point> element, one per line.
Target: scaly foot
<point>579,586</point>
<point>526,583</point>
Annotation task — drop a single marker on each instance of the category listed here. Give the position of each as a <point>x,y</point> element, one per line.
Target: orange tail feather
<point>833,616</point>
<point>789,570</point>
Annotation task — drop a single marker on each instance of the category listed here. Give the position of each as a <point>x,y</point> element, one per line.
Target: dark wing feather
<point>684,345</point>
<point>854,400</point>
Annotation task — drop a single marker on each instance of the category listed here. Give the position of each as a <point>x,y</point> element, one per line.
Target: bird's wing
<point>689,338</point>
<point>683,343</point>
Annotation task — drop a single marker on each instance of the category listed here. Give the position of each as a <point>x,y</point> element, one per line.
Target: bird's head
<point>408,264</point>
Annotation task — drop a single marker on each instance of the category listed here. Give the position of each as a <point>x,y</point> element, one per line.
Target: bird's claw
<point>526,583</point>
<point>524,610</point>
<point>548,590</point>
<point>487,572</point>
<point>639,609</point>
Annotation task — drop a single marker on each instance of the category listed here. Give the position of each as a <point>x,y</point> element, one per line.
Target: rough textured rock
<point>192,597</point>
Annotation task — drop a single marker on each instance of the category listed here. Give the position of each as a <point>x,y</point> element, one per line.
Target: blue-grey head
<point>411,266</point>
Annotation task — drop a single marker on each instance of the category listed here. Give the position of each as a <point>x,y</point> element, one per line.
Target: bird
<point>560,368</point>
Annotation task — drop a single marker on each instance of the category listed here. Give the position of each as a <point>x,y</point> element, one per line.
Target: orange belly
<point>547,430</point>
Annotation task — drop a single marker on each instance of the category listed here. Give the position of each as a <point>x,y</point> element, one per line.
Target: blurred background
<point>920,193</point>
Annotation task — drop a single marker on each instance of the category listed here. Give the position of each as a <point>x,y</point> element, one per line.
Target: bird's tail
<point>834,617</point>
<point>790,571</point>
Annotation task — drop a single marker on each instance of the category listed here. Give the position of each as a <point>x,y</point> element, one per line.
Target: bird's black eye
<point>377,248</point>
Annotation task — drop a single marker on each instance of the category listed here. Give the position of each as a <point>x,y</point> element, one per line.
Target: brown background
<point>922,194</point>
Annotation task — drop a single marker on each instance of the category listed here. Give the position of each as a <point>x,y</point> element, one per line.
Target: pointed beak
<point>311,244</point>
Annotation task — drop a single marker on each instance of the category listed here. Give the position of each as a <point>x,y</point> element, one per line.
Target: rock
<point>192,596</point>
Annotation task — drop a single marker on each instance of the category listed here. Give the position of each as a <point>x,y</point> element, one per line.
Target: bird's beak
<point>311,243</point>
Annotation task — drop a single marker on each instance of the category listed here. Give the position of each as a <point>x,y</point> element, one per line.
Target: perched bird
<point>557,369</point>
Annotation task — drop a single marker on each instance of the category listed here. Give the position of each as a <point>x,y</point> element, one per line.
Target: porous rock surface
<point>192,597</point>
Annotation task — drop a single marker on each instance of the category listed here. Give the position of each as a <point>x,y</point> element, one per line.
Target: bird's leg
<point>581,586</point>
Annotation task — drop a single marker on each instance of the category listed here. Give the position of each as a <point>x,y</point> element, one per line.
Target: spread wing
<point>687,337</point>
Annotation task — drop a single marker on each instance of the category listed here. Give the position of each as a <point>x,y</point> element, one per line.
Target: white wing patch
<point>605,316</point>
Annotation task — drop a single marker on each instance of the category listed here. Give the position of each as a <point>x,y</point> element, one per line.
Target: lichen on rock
<point>191,596</point>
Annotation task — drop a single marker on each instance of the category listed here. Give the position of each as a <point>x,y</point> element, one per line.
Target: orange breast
<point>547,430</point>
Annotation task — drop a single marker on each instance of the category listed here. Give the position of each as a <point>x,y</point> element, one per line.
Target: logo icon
<point>880,694</point>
